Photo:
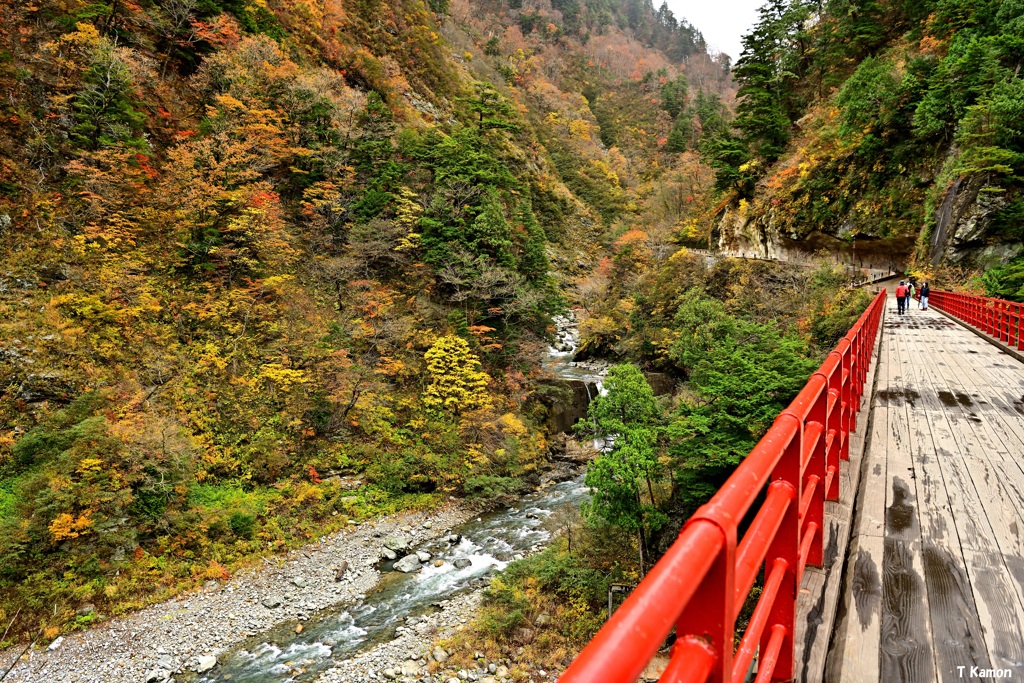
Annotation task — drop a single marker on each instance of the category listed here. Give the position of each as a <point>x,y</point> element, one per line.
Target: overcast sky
<point>723,22</point>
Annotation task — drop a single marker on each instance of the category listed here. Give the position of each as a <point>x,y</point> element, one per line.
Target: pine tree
<point>679,137</point>
<point>491,234</point>
<point>104,109</point>
<point>534,261</point>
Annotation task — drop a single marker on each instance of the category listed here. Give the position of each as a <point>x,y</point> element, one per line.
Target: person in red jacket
<point>901,297</point>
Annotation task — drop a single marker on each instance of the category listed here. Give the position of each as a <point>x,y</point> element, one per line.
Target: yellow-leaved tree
<point>456,381</point>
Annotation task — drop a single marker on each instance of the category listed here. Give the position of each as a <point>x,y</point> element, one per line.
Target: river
<point>488,543</point>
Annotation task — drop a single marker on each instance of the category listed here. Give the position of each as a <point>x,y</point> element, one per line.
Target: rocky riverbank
<point>416,655</point>
<point>185,633</point>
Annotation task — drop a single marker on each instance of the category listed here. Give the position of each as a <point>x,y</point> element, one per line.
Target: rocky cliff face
<point>963,223</point>
<point>751,234</point>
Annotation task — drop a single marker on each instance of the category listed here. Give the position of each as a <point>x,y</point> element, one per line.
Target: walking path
<point>934,576</point>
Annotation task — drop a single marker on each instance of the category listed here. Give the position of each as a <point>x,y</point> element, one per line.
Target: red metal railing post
<point>710,614</point>
<point>1020,324</point>
<point>786,546</point>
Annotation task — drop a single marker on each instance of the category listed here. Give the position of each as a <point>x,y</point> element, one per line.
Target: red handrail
<point>702,582</point>
<point>998,318</point>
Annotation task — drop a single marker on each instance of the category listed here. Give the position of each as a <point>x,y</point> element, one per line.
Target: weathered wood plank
<point>818,610</point>
<point>905,646</point>
<point>992,585</point>
<point>957,634</point>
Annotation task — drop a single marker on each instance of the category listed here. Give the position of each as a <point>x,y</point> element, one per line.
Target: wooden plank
<point>994,468</point>
<point>819,607</point>
<point>905,648</point>
<point>853,653</point>
<point>957,634</point>
<point>853,657</point>
<point>996,599</point>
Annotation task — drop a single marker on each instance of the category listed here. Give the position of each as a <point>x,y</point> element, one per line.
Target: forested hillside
<point>268,267</point>
<point>887,131</point>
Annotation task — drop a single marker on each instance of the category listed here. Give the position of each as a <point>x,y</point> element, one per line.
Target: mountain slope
<point>884,131</point>
<point>269,266</point>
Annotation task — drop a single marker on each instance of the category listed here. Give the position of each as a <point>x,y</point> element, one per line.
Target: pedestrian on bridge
<point>901,297</point>
<point>925,292</point>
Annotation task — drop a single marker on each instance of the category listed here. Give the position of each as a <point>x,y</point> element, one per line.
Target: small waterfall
<point>943,222</point>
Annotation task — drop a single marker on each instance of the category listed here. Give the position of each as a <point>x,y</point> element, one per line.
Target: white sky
<point>723,22</point>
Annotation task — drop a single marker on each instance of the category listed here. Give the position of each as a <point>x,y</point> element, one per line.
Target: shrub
<point>242,524</point>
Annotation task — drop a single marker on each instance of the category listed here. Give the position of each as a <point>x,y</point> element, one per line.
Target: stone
<point>410,668</point>
<point>439,655</point>
<point>427,525</point>
<point>56,643</point>
<point>157,676</point>
<point>299,582</point>
<point>454,539</point>
<point>298,628</point>
<point>272,601</point>
<point>423,555</point>
<point>462,563</point>
<point>399,544</point>
<point>85,610</point>
<point>492,667</point>
<point>542,620</point>
<point>340,571</point>
<point>390,674</point>
<point>453,679</point>
<point>205,663</point>
<point>388,554</point>
<point>524,635</point>
<point>438,563</point>
<point>502,672</point>
<point>407,564</point>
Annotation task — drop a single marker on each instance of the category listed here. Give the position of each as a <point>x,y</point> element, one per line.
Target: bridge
<point>882,517</point>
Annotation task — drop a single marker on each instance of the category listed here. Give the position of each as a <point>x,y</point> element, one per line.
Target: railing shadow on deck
<point>702,582</point>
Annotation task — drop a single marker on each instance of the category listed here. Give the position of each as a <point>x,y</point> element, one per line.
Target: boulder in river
<point>205,663</point>
<point>388,554</point>
<point>409,563</point>
<point>423,555</point>
<point>399,544</point>
<point>462,563</point>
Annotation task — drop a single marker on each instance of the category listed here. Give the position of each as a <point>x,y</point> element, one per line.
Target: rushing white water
<point>489,543</point>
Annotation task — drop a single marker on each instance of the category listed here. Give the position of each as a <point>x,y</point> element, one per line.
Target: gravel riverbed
<point>179,634</point>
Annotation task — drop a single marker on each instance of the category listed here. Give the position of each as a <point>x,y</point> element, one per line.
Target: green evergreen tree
<point>673,95</point>
<point>533,263</point>
<point>491,234</point>
<point>104,110</point>
<point>680,135</point>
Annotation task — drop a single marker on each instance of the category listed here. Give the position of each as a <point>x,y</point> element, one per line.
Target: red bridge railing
<point>700,585</point>
<point>996,317</point>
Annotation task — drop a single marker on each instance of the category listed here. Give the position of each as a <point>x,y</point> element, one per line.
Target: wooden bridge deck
<point>934,573</point>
